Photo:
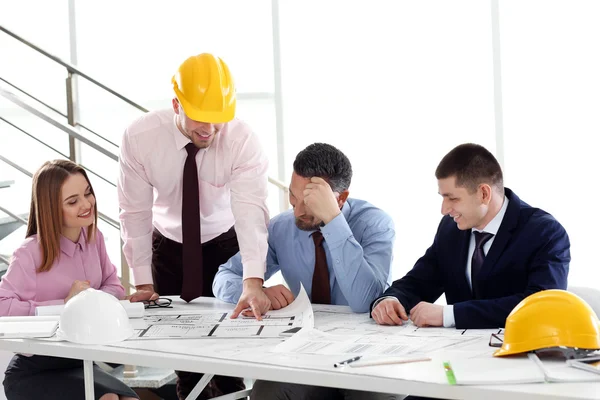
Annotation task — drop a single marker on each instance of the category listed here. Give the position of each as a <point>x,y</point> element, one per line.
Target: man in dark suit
<point>491,251</point>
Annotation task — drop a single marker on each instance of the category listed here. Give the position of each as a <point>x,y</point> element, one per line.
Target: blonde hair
<point>45,215</point>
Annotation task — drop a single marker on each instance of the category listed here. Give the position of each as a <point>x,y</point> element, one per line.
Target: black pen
<point>346,362</point>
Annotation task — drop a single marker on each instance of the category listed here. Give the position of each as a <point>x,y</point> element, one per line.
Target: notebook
<point>496,371</point>
<point>27,329</point>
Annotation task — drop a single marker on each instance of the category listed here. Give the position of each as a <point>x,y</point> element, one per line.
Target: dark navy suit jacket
<point>531,252</point>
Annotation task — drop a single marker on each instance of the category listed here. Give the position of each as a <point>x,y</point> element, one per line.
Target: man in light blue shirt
<point>358,237</point>
<point>356,245</point>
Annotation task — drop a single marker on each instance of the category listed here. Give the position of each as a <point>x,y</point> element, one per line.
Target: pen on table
<point>346,362</point>
<point>388,362</point>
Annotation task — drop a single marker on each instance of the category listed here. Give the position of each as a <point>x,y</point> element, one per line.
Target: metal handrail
<point>63,127</point>
<point>279,184</point>
<point>4,259</point>
<point>72,68</point>
<point>112,222</point>
<point>13,215</point>
<point>33,97</point>
<point>15,166</point>
<point>57,111</point>
<point>56,150</point>
<point>99,136</point>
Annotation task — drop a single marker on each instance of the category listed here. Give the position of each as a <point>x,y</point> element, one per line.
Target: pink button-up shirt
<point>232,174</point>
<point>22,289</point>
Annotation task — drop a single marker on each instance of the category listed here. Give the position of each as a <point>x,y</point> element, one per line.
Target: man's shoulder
<point>237,131</point>
<point>282,221</point>
<point>538,222</point>
<point>364,212</point>
<point>151,122</point>
<point>533,218</point>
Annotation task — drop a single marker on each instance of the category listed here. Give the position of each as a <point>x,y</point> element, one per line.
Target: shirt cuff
<point>254,270</point>
<point>382,299</point>
<point>449,317</point>
<point>142,275</point>
<point>336,231</point>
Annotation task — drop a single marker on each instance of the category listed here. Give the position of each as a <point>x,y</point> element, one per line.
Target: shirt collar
<point>68,247</point>
<point>494,225</point>
<point>345,213</point>
<point>180,140</point>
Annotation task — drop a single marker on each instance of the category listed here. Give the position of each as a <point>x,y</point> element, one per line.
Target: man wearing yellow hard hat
<point>192,183</point>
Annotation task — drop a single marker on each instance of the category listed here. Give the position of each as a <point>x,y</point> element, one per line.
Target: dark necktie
<point>321,294</point>
<point>478,257</point>
<point>190,226</point>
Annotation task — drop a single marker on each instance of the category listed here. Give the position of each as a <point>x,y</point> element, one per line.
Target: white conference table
<point>199,355</point>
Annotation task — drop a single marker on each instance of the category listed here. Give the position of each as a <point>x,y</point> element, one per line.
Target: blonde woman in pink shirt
<point>63,254</point>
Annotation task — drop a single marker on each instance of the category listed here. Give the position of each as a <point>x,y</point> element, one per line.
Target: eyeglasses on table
<point>161,302</point>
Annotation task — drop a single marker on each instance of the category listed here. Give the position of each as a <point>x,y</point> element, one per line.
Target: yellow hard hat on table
<point>550,319</point>
<point>205,89</point>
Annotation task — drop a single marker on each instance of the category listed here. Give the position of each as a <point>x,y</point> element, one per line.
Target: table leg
<point>199,387</point>
<point>130,371</point>
<point>242,394</point>
<point>88,376</point>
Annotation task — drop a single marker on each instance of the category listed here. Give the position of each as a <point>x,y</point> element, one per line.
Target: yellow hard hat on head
<point>548,319</point>
<point>205,89</point>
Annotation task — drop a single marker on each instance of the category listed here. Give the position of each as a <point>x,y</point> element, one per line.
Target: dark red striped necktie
<point>321,293</point>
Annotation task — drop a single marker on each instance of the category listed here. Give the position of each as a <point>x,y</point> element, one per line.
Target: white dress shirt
<point>232,174</point>
<point>492,227</point>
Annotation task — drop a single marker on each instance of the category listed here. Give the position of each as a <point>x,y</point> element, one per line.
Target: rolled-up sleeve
<point>249,204</point>
<point>135,201</point>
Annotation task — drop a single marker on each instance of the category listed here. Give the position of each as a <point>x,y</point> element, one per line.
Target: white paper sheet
<point>171,323</point>
<point>343,322</point>
<point>134,310</point>
<point>317,342</point>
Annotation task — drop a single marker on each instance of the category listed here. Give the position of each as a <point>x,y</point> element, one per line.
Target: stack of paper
<point>28,327</point>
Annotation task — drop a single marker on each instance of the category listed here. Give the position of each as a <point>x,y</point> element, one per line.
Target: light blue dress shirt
<point>358,244</point>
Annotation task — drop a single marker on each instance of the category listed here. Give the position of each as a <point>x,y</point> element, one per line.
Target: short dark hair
<point>325,161</point>
<point>472,165</point>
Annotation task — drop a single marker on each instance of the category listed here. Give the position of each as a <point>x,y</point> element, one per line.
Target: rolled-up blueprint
<point>134,310</point>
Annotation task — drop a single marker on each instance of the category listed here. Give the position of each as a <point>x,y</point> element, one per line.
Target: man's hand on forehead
<point>321,200</point>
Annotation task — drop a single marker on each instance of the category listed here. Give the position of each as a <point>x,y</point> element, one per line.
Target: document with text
<point>171,323</point>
